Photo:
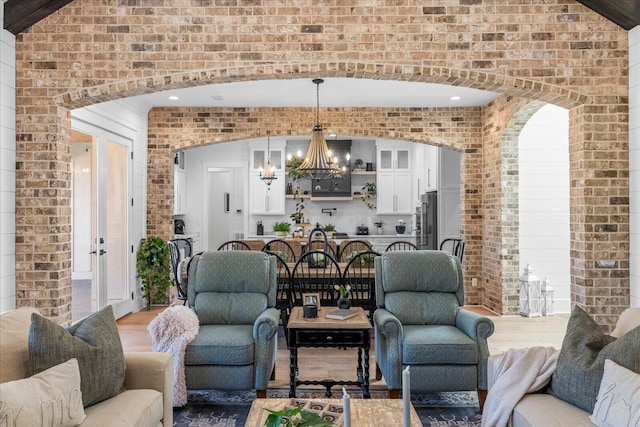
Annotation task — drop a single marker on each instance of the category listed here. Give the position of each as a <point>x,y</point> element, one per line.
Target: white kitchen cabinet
<point>266,199</point>
<point>394,177</point>
<point>179,191</point>
<point>425,169</point>
<point>394,193</point>
<point>392,157</point>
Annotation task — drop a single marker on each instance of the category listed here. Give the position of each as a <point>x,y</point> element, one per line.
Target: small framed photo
<point>311,299</point>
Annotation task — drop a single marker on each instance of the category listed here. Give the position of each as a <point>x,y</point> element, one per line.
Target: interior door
<point>220,200</point>
<point>100,224</point>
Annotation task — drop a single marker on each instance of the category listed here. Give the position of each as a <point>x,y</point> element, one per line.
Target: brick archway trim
<point>512,86</point>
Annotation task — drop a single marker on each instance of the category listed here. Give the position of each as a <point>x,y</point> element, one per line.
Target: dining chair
<point>454,246</point>
<point>401,246</point>
<point>234,245</point>
<point>176,260</point>
<point>283,296</point>
<point>255,245</point>
<point>318,241</point>
<point>184,247</point>
<point>316,272</point>
<point>352,247</point>
<point>359,274</point>
<point>319,245</point>
<point>282,248</point>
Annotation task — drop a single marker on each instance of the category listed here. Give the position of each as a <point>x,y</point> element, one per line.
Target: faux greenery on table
<point>294,417</point>
<point>153,264</point>
<point>363,259</point>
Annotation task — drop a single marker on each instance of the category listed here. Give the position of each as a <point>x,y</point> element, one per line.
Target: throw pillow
<point>94,341</point>
<point>581,361</point>
<point>50,398</point>
<point>618,402</point>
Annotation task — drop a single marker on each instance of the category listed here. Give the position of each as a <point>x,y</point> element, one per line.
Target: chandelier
<point>318,163</point>
<point>270,172</point>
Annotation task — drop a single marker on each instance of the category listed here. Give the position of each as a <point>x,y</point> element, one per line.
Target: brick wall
<point>558,51</point>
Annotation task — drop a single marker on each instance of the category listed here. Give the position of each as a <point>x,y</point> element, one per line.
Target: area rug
<point>230,409</point>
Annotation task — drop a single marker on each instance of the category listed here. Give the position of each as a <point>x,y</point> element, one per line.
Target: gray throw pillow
<point>581,361</point>
<point>94,341</point>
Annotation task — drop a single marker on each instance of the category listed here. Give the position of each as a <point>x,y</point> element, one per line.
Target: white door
<point>101,210</point>
<point>220,200</point>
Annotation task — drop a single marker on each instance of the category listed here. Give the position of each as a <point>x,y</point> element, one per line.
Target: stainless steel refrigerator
<point>427,221</point>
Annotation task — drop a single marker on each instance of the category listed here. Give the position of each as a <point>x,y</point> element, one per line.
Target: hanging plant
<point>368,194</point>
<point>153,264</point>
<point>295,174</point>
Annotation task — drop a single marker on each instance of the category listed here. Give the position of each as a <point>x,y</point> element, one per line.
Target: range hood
<point>335,187</point>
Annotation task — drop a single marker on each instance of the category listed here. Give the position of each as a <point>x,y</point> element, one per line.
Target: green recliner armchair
<point>234,295</point>
<point>419,323</point>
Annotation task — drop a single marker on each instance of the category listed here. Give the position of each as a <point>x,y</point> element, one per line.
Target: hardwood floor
<point>321,363</point>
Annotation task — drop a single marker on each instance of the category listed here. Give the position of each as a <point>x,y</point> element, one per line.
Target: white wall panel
<point>7,168</point>
<point>544,200</point>
<point>634,162</point>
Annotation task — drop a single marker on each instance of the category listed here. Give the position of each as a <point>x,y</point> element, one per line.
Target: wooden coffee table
<point>354,332</point>
<point>364,412</point>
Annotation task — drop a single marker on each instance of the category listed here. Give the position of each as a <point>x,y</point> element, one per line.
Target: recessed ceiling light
<point>455,98</point>
<point>217,98</point>
<point>174,97</point>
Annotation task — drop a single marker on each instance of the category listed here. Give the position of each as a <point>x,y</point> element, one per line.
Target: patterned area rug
<point>230,409</point>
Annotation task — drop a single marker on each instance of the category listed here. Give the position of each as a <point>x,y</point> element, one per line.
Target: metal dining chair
<point>282,248</point>
<point>453,246</point>
<point>359,274</point>
<point>318,241</point>
<point>283,297</point>
<point>184,247</point>
<point>176,260</point>
<point>234,245</point>
<point>348,248</point>
<point>401,246</point>
<point>316,272</point>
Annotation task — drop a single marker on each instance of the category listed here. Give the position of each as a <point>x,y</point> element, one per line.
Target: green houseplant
<point>329,228</point>
<point>369,192</point>
<point>295,174</point>
<point>291,417</point>
<point>153,264</point>
<point>281,228</point>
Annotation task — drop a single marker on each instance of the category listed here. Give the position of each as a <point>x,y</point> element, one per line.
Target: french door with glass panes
<point>100,225</point>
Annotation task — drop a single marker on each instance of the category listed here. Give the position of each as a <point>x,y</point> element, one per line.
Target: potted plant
<point>281,229</point>
<point>153,264</point>
<point>329,228</point>
<point>369,192</point>
<point>379,224</point>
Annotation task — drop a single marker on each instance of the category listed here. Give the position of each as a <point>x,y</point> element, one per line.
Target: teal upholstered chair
<point>234,295</point>
<point>419,324</point>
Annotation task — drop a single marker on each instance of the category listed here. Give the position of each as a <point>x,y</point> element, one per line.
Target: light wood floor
<point>318,363</point>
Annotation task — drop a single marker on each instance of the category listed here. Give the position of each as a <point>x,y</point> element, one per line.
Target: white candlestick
<point>406,398</point>
<point>346,408</point>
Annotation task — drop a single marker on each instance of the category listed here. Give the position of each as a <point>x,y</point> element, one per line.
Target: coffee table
<point>354,332</point>
<point>364,412</point>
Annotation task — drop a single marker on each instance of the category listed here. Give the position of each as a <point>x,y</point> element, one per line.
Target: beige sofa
<point>542,409</point>
<point>148,396</point>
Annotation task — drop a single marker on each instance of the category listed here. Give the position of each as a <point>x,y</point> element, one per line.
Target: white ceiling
<point>334,92</point>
